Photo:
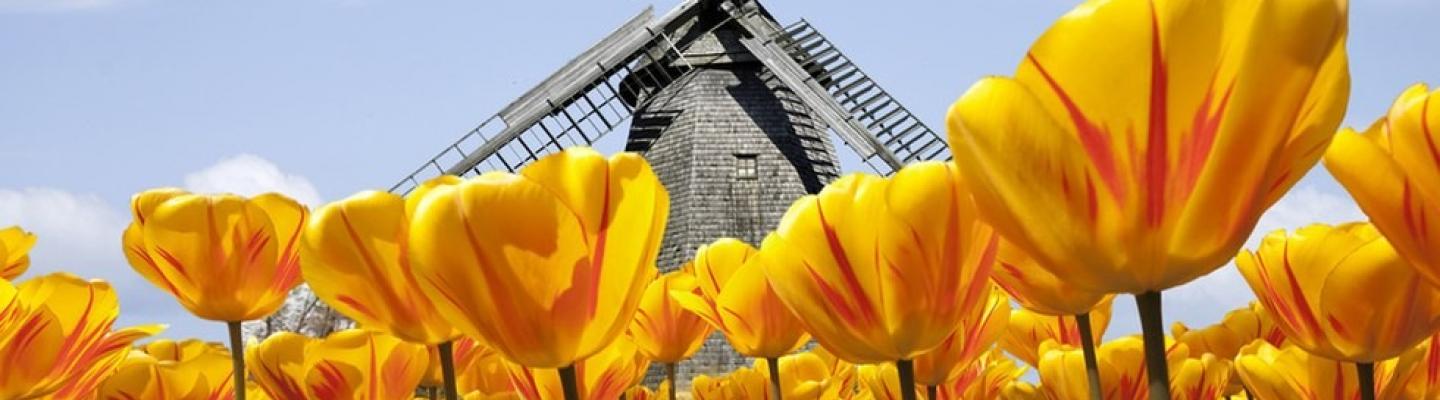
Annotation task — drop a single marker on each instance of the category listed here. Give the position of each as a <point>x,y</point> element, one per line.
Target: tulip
<point>740,302</point>
<point>1238,328</point>
<point>663,329</point>
<point>803,375</point>
<point>1320,283</point>
<point>224,257</point>
<point>880,381</point>
<point>355,257</point>
<point>1423,380</point>
<point>1140,140</point>
<point>481,369</point>
<point>547,266</point>
<point>985,379</point>
<point>1291,372</point>
<point>959,352</point>
<point>15,244</point>
<point>1391,171</point>
<point>1123,371</point>
<point>741,384</point>
<point>203,374</point>
<point>1027,330</point>
<point>882,270</point>
<point>1020,390</point>
<point>55,336</point>
<point>349,364</point>
<point>278,365</point>
<point>843,382</point>
<point>644,393</point>
<point>604,375</point>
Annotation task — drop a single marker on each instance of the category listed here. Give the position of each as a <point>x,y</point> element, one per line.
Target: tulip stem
<point>670,375</point>
<point>775,376</point>
<point>932,392</point>
<point>237,359</point>
<point>1152,330</point>
<point>447,369</point>
<point>1366,372</point>
<point>1087,346</point>
<point>568,382</point>
<point>906,370</point>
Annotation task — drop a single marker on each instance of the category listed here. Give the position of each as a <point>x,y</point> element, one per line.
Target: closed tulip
<point>1123,372</point>
<point>1038,290</point>
<point>547,266</point>
<point>1290,372</point>
<point>278,365</point>
<point>1026,330</point>
<point>975,333</point>
<point>15,244</point>
<point>663,329</point>
<point>1238,328</point>
<point>737,300</point>
<point>205,374</point>
<point>740,384</point>
<point>843,382</point>
<point>363,365</point>
<point>1320,285</point>
<point>481,369</point>
<point>985,379</point>
<point>1139,141</point>
<point>605,375</point>
<point>1390,170</point>
<point>56,338</point>
<point>803,375</point>
<point>880,381</point>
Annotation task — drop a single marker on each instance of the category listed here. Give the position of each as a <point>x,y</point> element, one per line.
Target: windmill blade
<point>576,105</point>
<point>884,133</point>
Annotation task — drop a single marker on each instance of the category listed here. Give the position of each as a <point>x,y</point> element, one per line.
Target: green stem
<point>670,375</point>
<point>569,382</point>
<point>1366,371</point>
<point>906,370</point>
<point>932,392</point>
<point>447,370</point>
<point>1087,346</point>
<point>237,359</point>
<point>1152,330</point>
<point>775,377</point>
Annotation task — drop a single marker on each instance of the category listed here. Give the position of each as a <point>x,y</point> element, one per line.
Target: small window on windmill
<point>745,166</point>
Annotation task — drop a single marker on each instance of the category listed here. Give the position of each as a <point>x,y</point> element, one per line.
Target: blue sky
<point>322,98</point>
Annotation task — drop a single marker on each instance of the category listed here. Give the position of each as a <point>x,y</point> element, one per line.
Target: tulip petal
<point>15,245</point>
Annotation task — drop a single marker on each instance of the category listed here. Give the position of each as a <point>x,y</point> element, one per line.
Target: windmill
<point>732,109</point>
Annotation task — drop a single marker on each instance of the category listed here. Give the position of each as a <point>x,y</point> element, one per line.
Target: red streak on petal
<point>1156,146</point>
<point>1092,137</point>
<point>847,271</point>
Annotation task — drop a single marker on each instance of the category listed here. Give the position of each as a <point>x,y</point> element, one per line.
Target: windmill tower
<point>732,110</point>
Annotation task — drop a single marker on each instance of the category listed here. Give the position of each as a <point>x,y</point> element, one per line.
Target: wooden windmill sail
<point>732,109</point>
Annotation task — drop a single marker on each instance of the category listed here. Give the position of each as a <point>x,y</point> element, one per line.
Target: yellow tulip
<point>644,393</point>
<point>1423,380</point>
<point>1027,330</point>
<point>883,269</point>
<point>740,384</point>
<point>480,368</point>
<point>171,350</point>
<point>988,378</point>
<point>202,375</point>
<point>55,336</point>
<point>738,301</point>
<point>224,257</point>
<point>1391,171</point>
<point>663,329</point>
<point>1292,373</point>
<point>1038,290</point>
<point>975,333</point>
<point>1238,328</point>
<point>546,266</point>
<point>802,375</point>
<point>1020,390</point>
<point>357,364</point>
<point>880,381</point>
<point>15,244</point>
<point>277,365</point>
<point>603,376</point>
<point>1123,373</point>
<point>1320,285</point>
<point>843,382</point>
<point>355,257</point>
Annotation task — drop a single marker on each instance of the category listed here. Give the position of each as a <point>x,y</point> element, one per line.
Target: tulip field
<point>1133,150</point>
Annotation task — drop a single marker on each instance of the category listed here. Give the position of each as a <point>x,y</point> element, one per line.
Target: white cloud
<point>53,5</point>
<point>249,175</point>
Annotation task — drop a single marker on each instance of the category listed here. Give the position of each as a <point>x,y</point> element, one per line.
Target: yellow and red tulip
<point>15,244</point>
<point>481,369</point>
<point>350,364</point>
<point>605,375</point>
<point>55,336</point>
<point>1238,328</point>
<point>277,365</point>
<point>802,376</point>
<point>740,384</point>
<point>644,393</point>
<point>740,302</point>
<point>1027,330</point>
<point>1123,372</point>
<point>880,381</point>
<point>1423,380</point>
<point>1139,141</point>
<point>1319,284</point>
<point>975,333</point>
<point>224,257</point>
<point>355,257</point>
<point>883,269</point>
<point>843,382</point>
<point>1038,290</point>
<point>547,266</point>
<point>1391,170</point>
<point>202,374</point>
<point>1291,372</point>
<point>988,378</point>
<point>663,329</point>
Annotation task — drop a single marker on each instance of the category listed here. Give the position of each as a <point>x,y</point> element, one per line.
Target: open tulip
<point>1392,172</point>
<point>15,244</point>
<point>737,299</point>
<point>203,374</point>
<point>224,257</point>
<point>1291,372</point>
<point>55,336</point>
<point>985,379</point>
<point>605,375</point>
<point>1027,330</point>
<point>664,330</point>
<point>975,333</point>
<point>546,266</point>
<point>1140,140</point>
<point>1123,372</point>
